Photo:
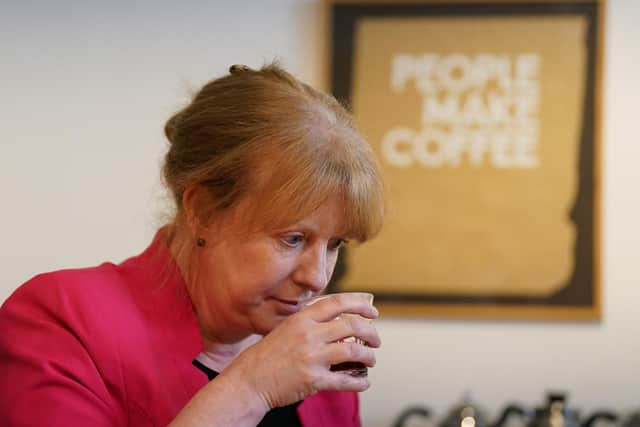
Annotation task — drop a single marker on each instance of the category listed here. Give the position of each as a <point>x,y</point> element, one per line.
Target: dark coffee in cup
<point>355,369</point>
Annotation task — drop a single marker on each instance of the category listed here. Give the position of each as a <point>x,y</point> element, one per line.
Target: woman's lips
<point>286,307</point>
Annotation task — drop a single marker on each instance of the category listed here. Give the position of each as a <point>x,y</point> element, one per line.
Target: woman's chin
<point>269,323</point>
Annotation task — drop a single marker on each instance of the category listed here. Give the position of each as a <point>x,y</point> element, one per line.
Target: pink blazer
<point>112,346</point>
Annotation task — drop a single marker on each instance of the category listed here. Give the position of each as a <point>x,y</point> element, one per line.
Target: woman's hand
<point>293,361</point>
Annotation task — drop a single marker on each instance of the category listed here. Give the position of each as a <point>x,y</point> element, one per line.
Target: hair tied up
<point>170,128</point>
<point>238,68</point>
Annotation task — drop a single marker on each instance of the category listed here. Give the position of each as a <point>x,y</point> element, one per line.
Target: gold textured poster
<point>483,120</point>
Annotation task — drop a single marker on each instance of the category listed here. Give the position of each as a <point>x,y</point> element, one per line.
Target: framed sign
<point>484,117</point>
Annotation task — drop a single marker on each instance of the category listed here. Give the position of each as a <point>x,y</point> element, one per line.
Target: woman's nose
<point>311,271</point>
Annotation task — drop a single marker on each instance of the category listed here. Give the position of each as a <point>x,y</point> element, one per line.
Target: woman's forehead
<point>326,217</point>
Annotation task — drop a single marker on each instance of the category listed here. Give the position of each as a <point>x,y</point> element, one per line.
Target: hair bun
<point>170,128</point>
<point>239,68</point>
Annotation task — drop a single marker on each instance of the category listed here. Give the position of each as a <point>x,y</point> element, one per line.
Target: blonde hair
<point>266,134</point>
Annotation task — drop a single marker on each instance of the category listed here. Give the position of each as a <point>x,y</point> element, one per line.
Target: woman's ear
<point>196,204</point>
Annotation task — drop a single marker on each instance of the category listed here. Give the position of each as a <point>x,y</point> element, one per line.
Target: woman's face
<point>248,282</point>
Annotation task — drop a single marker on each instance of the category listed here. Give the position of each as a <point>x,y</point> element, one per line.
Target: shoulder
<point>69,295</point>
<point>79,302</point>
<point>60,286</point>
<point>93,336</point>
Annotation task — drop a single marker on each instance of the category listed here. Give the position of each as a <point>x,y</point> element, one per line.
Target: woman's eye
<point>293,240</point>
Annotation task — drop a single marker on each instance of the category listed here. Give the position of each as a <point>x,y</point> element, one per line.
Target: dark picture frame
<point>580,298</point>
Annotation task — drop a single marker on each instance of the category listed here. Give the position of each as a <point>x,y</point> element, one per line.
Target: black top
<point>277,417</point>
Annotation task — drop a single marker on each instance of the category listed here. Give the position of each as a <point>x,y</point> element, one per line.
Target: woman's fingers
<point>333,306</point>
<point>351,326</point>
<point>341,352</point>
<point>341,381</point>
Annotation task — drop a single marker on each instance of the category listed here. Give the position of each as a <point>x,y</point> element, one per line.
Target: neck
<point>218,355</point>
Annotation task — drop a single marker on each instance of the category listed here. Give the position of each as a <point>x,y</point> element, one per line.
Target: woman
<point>270,178</point>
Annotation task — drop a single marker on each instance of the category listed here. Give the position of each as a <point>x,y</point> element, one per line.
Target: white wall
<point>85,89</point>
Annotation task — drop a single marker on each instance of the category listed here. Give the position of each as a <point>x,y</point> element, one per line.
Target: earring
<point>201,242</point>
